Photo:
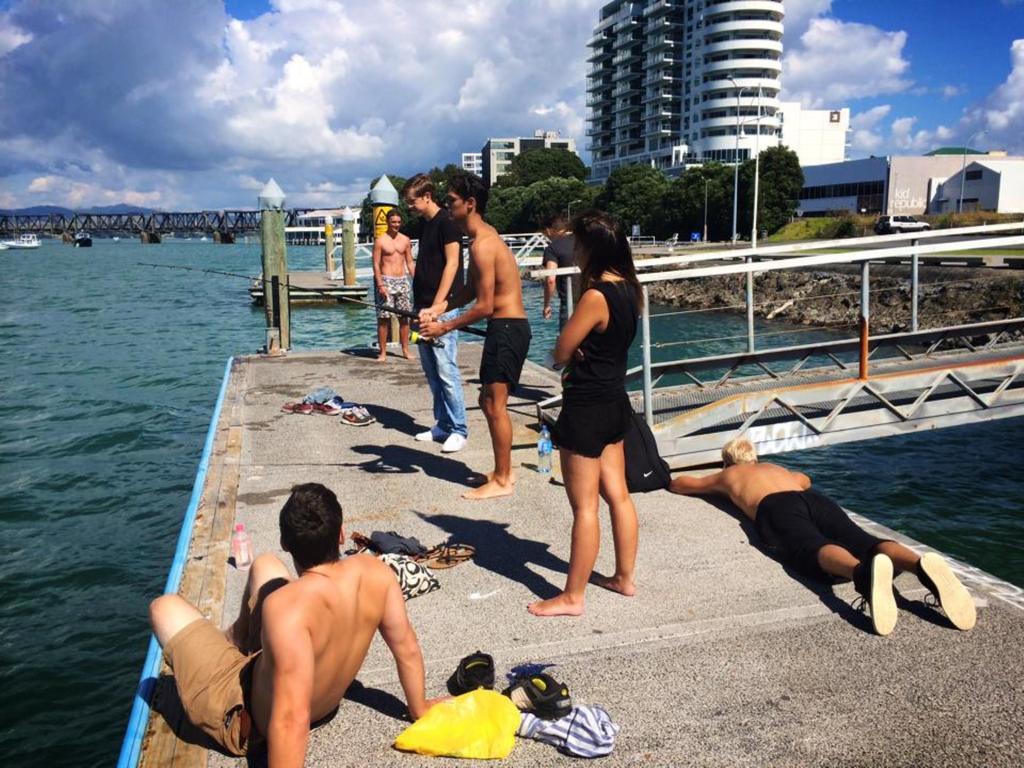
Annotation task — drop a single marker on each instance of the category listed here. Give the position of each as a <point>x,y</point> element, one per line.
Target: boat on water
<point>83,240</point>
<point>24,241</point>
<point>3,247</point>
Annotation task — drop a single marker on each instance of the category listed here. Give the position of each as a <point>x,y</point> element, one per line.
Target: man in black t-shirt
<point>558,255</point>
<point>438,276</point>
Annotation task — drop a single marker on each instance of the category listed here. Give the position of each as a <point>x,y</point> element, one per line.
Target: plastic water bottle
<point>544,451</point>
<point>241,547</point>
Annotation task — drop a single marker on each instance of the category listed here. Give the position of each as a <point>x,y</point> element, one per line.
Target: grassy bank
<point>836,227</point>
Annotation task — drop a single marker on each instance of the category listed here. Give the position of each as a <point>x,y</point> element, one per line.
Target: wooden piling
<point>348,245</point>
<point>275,264</point>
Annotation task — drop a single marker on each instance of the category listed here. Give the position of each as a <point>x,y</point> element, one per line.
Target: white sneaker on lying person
<point>434,433</point>
<point>455,442</point>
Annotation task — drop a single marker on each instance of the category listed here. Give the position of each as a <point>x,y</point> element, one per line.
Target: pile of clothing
<point>411,562</point>
<point>329,403</point>
<point>479,723</point>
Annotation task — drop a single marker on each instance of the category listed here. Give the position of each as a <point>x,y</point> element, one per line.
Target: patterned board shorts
<point>399,296</point>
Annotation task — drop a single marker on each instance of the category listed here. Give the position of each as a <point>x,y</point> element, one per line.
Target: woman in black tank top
<point>595,410</point>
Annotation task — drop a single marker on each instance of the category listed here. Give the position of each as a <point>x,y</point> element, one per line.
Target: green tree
<point>781,180</point>
<point>505,209</point>
<point>535,165</point>
<point>683,204</point>
<point>553,196</point>
<point>634,194</point>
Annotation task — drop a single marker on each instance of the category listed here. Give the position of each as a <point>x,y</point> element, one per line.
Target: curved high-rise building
<point>665,75</point>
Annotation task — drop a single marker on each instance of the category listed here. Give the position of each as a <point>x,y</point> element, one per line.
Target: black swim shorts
<point>799,523</point>
<point>508,341</point>
<point>589,429</point>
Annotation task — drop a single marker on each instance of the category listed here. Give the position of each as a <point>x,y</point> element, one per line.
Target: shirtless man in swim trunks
<point>495,285</point>
<point>297,644</point>
<point>392,269</point>
<point>814,534</point>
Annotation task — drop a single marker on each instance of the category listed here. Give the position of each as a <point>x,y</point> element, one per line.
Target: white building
<point>473,162</point>
<point>497,153</point>
<point>817,136</point>
<point>988,185</point>
<point>689,80</point>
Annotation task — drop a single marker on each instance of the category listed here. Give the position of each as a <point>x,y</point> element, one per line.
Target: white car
<point>889,224</point>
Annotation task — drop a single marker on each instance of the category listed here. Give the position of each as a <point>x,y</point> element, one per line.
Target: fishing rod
<point>323,291</point>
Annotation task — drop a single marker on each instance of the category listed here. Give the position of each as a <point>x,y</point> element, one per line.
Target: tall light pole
<point>963,169</point>
<point>704,238</point>
<point>757,169</point>
<point>736,160</point>
<point>568,208</point>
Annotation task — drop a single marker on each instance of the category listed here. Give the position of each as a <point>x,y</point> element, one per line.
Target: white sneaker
<point>433,433</point>
<point>455,442</point>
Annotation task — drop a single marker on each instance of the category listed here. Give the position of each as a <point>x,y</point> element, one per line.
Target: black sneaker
<point>956,602</point>
<point>540,695</point>
<point>873,580</point>
<point>475,671</point>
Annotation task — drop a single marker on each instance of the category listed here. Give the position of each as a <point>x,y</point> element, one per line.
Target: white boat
<point>25,241</point>
<point>3,246</point>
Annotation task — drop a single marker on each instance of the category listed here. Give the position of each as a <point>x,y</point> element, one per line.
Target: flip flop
<point>541,695</point>
<point>447,555</point>
<point>303,408</point>
<point>362,542</point>
<point>328,408</point>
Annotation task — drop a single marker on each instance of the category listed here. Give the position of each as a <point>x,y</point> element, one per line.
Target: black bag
<point>645,469</point>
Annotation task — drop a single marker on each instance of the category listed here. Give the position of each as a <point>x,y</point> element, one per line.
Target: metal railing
<point>752,266</point>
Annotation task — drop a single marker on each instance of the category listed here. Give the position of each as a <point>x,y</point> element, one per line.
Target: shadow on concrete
<point>503,553</point>
<point>400,459</point>
<point>822,589</point>
<point>377,700</point>
<point>923,611</point>
<point>391,418</point>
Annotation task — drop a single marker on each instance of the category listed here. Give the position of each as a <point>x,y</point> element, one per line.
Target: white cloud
<point>311,92</point>
<point>864,126</point>
<point>10,36</point>
<point>836,61</point>
<point>1001,114</point>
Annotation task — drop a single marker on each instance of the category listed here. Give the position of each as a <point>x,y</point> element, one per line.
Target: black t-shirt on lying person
<point>430,262</point>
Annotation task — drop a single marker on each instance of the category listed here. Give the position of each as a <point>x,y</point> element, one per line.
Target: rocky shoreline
<point>831,298</point>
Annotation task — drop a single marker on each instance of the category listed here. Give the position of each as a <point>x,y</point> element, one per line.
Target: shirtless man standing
<point>814,533</point>
<point>392,269</point>
<point>495,285</point>
<point>297,644</point>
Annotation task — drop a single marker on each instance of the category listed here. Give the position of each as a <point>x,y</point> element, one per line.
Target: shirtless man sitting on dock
<point>297,644</point>
<point>818,538</point>
<point>392,269</point>
<point>495,285</point>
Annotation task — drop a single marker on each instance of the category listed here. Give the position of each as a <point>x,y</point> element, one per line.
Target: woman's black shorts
<point>589,429</point>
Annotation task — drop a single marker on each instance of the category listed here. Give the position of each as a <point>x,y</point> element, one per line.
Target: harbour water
<point>109,377</point>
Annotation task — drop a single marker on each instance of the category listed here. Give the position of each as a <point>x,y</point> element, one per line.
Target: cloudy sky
<point>181,104</point>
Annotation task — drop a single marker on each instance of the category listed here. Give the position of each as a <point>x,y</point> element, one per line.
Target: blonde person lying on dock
<point>392,270</point>
<point>296,645</point>
<point>496,291</point>
<point>817,537</point>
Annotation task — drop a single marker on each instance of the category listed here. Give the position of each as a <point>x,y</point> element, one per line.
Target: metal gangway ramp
<point>805,396</point>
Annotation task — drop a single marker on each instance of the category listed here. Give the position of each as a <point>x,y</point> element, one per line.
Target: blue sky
<point>195,103</point>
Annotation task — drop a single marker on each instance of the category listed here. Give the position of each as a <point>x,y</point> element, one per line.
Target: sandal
<point>541,695</point>
<point>327,409</point>
<point>303,408</point>
<point>474,672</point>
<point>363,543</point>
<point>447,555</point>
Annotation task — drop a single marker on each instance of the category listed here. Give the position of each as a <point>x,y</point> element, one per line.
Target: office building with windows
<point>673,82</point>
<point>472,162</point>
<point>497,153</point>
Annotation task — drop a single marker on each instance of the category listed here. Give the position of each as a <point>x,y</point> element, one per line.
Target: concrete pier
<point>723,658</point>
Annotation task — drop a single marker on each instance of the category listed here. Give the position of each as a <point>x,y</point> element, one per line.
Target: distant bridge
<point>222,226</point>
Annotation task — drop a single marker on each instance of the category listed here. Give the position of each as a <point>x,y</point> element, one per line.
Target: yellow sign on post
<point>380,219</point>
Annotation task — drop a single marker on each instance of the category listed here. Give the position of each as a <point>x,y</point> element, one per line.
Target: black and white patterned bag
<point>413,578</point>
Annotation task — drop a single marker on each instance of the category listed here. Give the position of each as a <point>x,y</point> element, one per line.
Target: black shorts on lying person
<point>508,341</point>
<point>799,523</point>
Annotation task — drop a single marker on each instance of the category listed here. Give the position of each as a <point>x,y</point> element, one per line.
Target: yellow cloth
<point>480,724</point>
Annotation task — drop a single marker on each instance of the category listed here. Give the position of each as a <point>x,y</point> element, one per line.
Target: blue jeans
<point>441,367</point>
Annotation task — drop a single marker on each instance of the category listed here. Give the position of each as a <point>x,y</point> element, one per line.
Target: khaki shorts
<point>213,683</point>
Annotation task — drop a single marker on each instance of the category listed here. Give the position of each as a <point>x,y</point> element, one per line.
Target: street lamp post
<point>963,169</point>
<point>704,237</point>
<point>736,161</point>
<point>568,208</point>
<point>757,169</point>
